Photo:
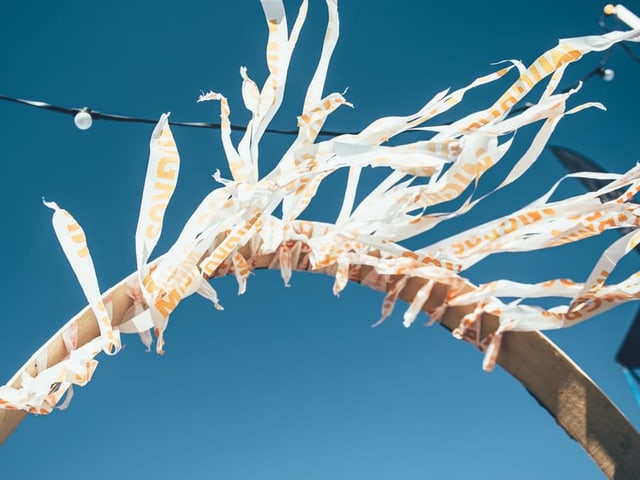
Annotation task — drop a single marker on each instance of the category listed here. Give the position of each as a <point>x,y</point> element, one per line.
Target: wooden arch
<point>549,375</point>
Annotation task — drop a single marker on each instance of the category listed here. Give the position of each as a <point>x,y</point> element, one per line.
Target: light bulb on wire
<point>607,74</point>
<point>83,119</point>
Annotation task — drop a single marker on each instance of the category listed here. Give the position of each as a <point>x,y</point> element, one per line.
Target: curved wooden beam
<point>550,376</point>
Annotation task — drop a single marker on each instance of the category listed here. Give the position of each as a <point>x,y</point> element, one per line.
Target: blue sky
<point>286,382</point>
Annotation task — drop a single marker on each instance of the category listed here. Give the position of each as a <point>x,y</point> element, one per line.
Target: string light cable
<point>84,117</point>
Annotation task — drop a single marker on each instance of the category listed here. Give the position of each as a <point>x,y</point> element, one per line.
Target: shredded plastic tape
<point>235,224</point>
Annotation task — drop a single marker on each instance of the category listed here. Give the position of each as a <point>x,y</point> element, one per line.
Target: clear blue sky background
<point>285,383</point>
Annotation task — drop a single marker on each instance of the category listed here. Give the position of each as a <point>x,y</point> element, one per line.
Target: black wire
<point>46,106</point>
<point>599,70</point>
<point>95,115</point>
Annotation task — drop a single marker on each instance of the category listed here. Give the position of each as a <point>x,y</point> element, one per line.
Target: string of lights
<point>84,117</point>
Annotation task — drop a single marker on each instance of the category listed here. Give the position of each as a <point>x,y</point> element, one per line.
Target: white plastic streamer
<point>74,244</point>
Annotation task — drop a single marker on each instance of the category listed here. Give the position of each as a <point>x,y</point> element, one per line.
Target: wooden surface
<point>558,384</point>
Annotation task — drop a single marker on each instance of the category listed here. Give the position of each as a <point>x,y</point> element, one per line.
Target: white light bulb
<point>83,120</point>
<point>608,74</point>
